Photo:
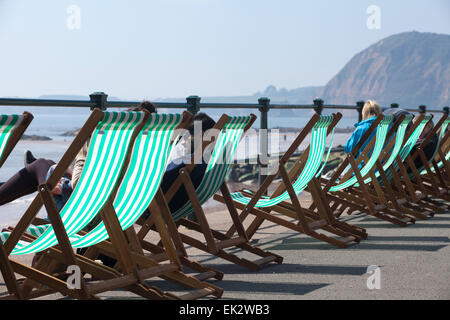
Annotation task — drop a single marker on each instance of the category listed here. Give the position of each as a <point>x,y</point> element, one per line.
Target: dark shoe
<point>28,157</point>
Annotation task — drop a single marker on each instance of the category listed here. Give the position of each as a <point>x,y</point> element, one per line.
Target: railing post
<point>193,104</point>
<point>446,109</point>
<point>394,105</point>
<point>359,107</point>
<point>263,157</point>
<point>99,98</point>
<point>422,109</point>
<point>318,105</point>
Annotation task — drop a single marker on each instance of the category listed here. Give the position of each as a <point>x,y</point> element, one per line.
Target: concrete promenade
<point>414,264</point>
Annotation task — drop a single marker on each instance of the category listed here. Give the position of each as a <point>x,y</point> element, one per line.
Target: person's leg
<point>25,181</point>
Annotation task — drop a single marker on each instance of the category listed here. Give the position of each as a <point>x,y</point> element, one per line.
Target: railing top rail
<point>173,105</point>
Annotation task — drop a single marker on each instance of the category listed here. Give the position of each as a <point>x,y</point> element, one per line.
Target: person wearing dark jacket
<point>432,144</point>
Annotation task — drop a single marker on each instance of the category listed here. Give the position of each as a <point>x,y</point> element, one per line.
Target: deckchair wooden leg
<point>133,240</point>
<point>8,274</point>
<point>406,180</point>
<point>362,185</point>
<point>233,212</point>
<point>172,227</point>
<point>118,239</point>
<point>60,233</point>
<point>23,224</point>
<point>254,226</point>
<point>44,264</point>
<point>293,196</point>
<point>198,211</point>
<point>439,175</point>
<point>166,239</point>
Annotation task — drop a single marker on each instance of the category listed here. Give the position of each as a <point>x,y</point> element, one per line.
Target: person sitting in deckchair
<point>172,172</point>
<point>369,113</point>
<point>431,146</point>
<point>37,171</point>
<point>173,169</point>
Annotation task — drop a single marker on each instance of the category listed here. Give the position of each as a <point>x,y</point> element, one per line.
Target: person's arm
<point>354,139</point>
<point>78,167</point>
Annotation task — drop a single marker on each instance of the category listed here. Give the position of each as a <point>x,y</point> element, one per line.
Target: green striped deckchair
<point>12,128</point>
<point>137,189</point>
<point>303,175</point>
<point>312,167</point>
<point>444,154</point>
<point>230,132</point>
<point>442,132</point>
<point>443,158</point>
<point>219,163</point>
<point>426,179</point>
<point>380,139</point>
<point>108,148</point>
<point>110,136</point>
<point>430,169</point>
<point>419,206</point>
<point>384,194</point>
<point>359,189</point>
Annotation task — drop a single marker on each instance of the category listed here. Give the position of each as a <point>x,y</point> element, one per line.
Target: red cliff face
<point>409,68</point>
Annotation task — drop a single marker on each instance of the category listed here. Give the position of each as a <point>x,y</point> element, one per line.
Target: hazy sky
<point>174,48</point>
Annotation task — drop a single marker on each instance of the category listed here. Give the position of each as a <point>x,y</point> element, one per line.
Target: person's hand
<point>58,188</point>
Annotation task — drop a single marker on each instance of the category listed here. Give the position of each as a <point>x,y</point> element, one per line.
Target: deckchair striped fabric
<point>108,147</point>
<point>407,147</point>
<point>219,163</point>
<point>35,231</point>
<point>441,135</point>
<point>145,171</point>
<point>7,125</point>
<point>380,139</point>
<point>316,152</point>
<point>399,137</point>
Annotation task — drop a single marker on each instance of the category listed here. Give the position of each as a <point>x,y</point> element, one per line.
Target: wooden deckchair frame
<point>131,277</point>
<point>443,150</point>
<point>300,219</point>
<point>402,195</point>
<point>15,136</point>
<point>5,265</point>
<point>432,184</point>
<point>395,197</point>
<point>366,197</point>
<point>215,241</point>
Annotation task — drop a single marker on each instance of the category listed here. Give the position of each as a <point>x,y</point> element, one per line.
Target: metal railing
<point>193,105</point>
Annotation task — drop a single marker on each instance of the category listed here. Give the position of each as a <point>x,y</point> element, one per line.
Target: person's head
<point>427,129</point>
<point>202,121</point>
<point>145,105</point>
<point>206,122</point>
<point>370,109</point>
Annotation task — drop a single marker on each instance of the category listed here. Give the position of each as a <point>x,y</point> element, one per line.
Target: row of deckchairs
<point>113,185</point>
<point>122,147</point>
<point>379,179</point>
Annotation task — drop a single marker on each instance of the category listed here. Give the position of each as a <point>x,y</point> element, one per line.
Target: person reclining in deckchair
<point>173,171</point>
<point>431,146</point>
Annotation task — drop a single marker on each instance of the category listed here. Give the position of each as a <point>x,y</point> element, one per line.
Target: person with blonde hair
<point>369,113</point>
